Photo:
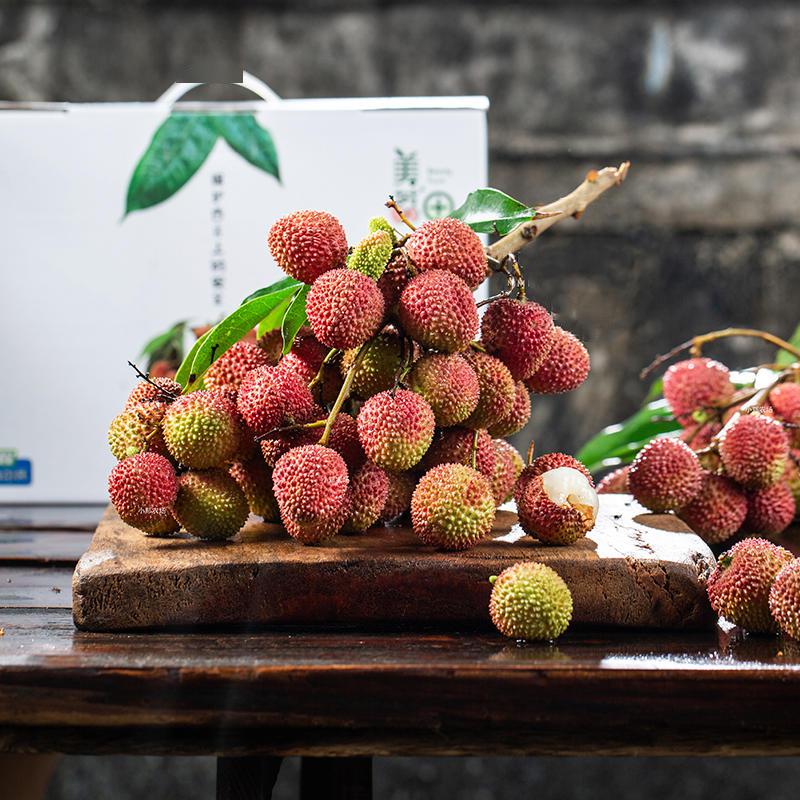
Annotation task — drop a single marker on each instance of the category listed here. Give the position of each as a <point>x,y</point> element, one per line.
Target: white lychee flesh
<point>566,486</point>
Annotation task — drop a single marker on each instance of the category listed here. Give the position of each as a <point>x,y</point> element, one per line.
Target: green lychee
<point>210,504</point>
<point>371,255</point>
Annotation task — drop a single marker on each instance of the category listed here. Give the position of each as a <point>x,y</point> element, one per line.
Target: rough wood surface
<point>635,569</point>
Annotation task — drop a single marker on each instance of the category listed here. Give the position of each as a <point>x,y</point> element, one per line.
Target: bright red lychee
<point>497,390</point>
<point>455,446</point>
<point>770,510</point>
<point>717,511</point>
<point>665,475</point>
<point>565,368</point>
<point>142,489</point>
<point>228,371</point>
<point>517,418</point>
<point>271,398</point>
<point>754,449</point>
<point>696,384</point>
<point>784,599</point>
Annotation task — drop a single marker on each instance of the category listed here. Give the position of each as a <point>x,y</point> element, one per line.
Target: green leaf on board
<point>177,150</point>
<point>249,140</point>
<point>492,211</point>
<point>784,357</point>
<point>295,318</point>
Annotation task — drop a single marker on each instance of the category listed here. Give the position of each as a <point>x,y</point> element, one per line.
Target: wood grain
<point>53,547</point>
<point>634,569</point>
<point>80,517</point>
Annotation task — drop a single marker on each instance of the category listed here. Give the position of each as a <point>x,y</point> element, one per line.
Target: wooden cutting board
<point>635,569</point>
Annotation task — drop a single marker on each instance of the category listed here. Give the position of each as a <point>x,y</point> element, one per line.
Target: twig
<point>571,205</point>
<point>390,203</point>
<point>146,377</point>
<point>344,393</point>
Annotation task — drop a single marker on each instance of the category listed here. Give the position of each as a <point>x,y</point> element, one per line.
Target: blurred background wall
<point>703,98</point>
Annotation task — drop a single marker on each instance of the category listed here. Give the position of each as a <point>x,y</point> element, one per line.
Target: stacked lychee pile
<point>393,399</point>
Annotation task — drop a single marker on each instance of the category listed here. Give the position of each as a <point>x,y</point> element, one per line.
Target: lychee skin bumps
<point>271,397</point>
<point>438,310</point>
<point>694,384</point>
<point>449,384</point>
<point>452,507</point>
<point>615,482</point>
<point>306,244</point>
<point>507,468</point>
<point>665,475</point>
<point>754,449</point>
<point>142,489</point>
<point>451,245</point>
<point>565,368</point>
<point>396,429</point>
<point>255,480</point>
<point>519,333</point>
<point>739,587</point>
<point>717,511</point>
<point>210,504</point>
<point>368,491</point>
<point>517,418</point>
<point>530,601</point>
<point>230,368</point>
<point>310,485</point>
<point>137,430</point>
<point>379,366</point>
<point>161,390</point>
<point>371,255</point>
<point>497,391</point>
<point>455,446</point>
<point>398,497</point>
<point>345,308</point>
<point>770,510</point>
<point>784,599</point>
<point>202,430</point>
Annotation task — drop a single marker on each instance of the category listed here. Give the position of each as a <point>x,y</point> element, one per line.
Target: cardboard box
<point>85,285</point>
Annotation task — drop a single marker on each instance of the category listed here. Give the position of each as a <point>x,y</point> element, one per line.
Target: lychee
<point>791,476</point>
<point>449,384</point>
<point>517,418</point>
<point>306,244</point>
<point>379,366</point>
<point>530,601</point>
<point>558,507</point>
<point>255,480</point>
<point>519,333</point>
<point>202,429</point>
<point>438,310</point>
<point>371,255</point>
<point>210,504</point>
<point>507,468</point>
<point>456,445</point>
<point>785,400</point>
<point>717,511</point>
<point>345,308</point>
<point>616,482</point>
<point>142,489</point>
<point>497,390</point>
<point>271,398</point>
<point>398,497</point>
<point>739,586</point>
<point>565,368</point>
<point>784,599</point>
<point>368,491</point>
<point>449,244</point>
<point>547,461</point>
<point>396,429</point>
<point>273,445</point>
<point>754,449</point>
<point>770,510</point>
<point>382,224</point>
<point>699,436</point>
<point>271,342</point>
<point>160,390</point>
<point>344,440</point>
<point>665,475</point>
<point>452,507</point>
<point>394,279</point>
<point>310,485</point>
<point>137,430</point>
<point>695,384</point>
<point>305,356</point>
<point>230,368</point>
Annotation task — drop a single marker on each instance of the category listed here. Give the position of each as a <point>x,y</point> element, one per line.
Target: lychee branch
<point>344,392</point>
<point>571,205</point>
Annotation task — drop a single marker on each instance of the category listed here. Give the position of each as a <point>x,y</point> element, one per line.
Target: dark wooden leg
<point>247,778</point>
<point>336,779</point>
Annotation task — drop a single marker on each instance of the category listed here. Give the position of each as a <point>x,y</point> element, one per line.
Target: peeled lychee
<point>230,368</point>
<point>784,599</point>
<point>368,491</point>
<point>396,429</point>
<point>451,245</point>
<point>665,475</point>
<point>517,418</point>
<point>310,485</point>
<point>547,461</point>
<point>255,480</point>
<point>449,384</point>
<point>452,507</point>
<point>507,467</point>
<point>306,244</point>
<point>717,511</point>
<point>371,255</point>
<point>398,498</point>
<point>770,510</point>
<point>558,507</point>
<point>345,308</point>
<point>455,446</point>
<point>754,449</point>
<point>519,333</point>
<point>438,310</point>
<point>695,384</point>
<point>379,366</point>
<point>739,587</point>
<point>210,504</point>
<point>142,489</point>
<point>271,398</point>
<point>530,601</point>
<point>497,390</point>
<point>565,368</point>
<point>615,482</point>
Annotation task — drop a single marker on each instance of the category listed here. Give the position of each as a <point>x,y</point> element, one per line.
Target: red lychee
<point>615,482</point>
<point>665,475</point>
<point>271,398</point>
<point>754,449</point>
<point>695,384</point>
<point>565,368</point>
<point>142,489</point>
<point>230,368</point>
<point>717,511</point>
<point>770,510</point>
<point>517,418</point>
<point>449,384</point>
<point>455,446</point>
<point>784,599</point>
<point>497,390</point>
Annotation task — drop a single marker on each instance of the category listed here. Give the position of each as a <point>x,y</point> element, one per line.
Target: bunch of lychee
<point>733,468</point>
<point>393,400</point>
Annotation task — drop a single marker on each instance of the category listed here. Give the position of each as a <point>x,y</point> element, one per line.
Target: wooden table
<point>253,696</point>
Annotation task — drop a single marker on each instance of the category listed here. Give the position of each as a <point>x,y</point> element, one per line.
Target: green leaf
<point>249,140</point>
<point>177,150</point>
<point>167,346</point>
<point>295,318</point>
<point>283,283</point>
<point>185,369</point>
<point>492,211</point>
<point>784,357</point>
<point>628,437</point>
<point>274,319</point>
<point>231,330</point>
<point>655,391</point>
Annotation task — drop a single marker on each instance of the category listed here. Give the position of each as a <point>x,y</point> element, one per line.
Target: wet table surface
<point>365,692</point>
